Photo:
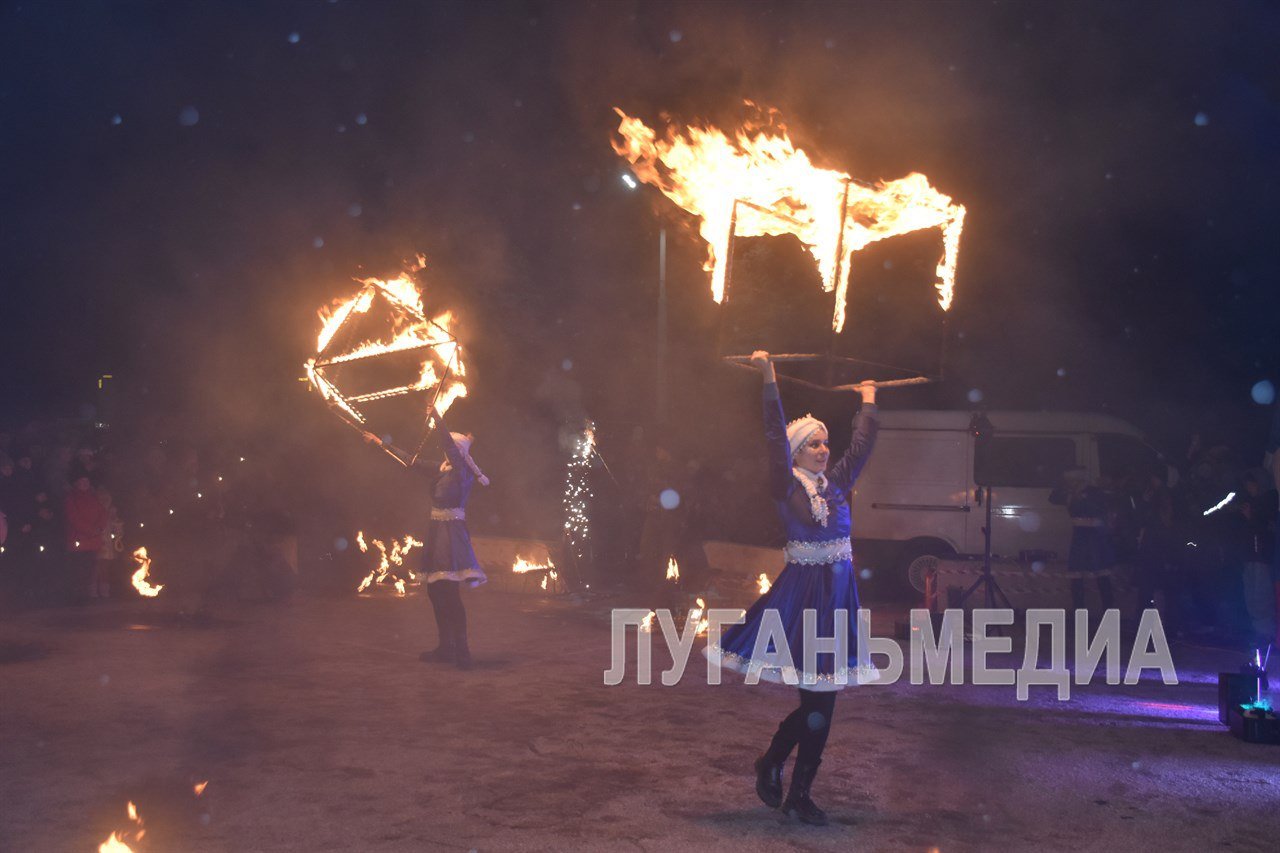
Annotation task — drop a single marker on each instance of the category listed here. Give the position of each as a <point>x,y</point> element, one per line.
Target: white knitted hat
<point>799,431</point>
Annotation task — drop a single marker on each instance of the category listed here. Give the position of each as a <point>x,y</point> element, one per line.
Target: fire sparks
<point>577,491</point>
<point>673,570</point>
<point>388,557</point>
<point>199,787</point>
<point>758,183</point>
<point>411,330</point>
<point>140,582</point>
<point>763,582</point>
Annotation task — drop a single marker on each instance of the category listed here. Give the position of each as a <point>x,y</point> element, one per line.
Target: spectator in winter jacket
<point>85,519</point>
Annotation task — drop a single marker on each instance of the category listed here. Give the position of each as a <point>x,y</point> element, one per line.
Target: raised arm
<point>402,456</point>
<point>448,445</point>
<point>865,426</point>
<point>775,430</point>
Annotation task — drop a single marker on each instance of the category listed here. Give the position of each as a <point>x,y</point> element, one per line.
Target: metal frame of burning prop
<point>346,407</point>
<point>829,358</point>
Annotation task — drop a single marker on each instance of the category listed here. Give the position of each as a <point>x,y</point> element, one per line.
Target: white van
<point>920,492</point>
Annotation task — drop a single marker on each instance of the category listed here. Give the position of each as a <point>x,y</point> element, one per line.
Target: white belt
<point>456,513</point>
<point>819,553</point>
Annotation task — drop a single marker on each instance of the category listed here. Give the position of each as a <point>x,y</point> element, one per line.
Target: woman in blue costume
<point>448,559</point>
<point>812,499</point>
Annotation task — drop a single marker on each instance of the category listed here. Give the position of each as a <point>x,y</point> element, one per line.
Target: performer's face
<point>814,453</point>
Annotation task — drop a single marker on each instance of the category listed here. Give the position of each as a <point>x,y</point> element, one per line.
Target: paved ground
<point>318,729</point>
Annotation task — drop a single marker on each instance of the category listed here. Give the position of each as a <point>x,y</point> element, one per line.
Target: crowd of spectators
<point>77,502</point>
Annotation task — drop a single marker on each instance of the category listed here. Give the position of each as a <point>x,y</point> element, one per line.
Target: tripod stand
<point>986,580</point>
<point>983,431</point>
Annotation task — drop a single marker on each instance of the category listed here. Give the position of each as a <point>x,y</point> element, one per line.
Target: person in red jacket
<point>86,518</point>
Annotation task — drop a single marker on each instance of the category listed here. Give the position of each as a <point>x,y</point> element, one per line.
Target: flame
<point>116,843</point>
<point>387,557</point>
<point>696,615</point>
<point>758,183</point>
<point>673,570</point>
<point>764,583</point>
<point>140,582</point>
<point>521,566</point>
<point>411,331</point>
<point>199,787</point>
<point>646,624</point>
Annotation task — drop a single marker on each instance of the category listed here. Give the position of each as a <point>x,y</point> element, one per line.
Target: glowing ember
<point>387,558</point>
<point>758,183</point>
<point>199,787</point>
<point>411,330</point>
<point>140,582</point>
<point>673,570</point>
<point>763,581</point>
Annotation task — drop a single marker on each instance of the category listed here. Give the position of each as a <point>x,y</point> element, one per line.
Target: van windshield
<point>1025,461</point>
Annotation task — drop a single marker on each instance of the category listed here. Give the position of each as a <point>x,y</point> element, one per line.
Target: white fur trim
<point>863,673</point>
<point>813,485</point>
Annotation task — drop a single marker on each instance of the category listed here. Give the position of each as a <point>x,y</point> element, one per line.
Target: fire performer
<point>812,500</point>
<point>448,559</point>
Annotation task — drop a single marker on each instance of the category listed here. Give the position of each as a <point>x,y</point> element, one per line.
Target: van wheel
<point>921,558</point>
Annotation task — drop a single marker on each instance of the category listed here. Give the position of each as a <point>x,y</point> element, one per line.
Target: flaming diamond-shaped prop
<point>755,182</point>
<point>378,346</point>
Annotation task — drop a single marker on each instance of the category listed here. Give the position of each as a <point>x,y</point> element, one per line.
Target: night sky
<point>184,184</point>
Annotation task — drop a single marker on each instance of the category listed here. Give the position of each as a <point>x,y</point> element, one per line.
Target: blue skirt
<point>822,588</point>
<point>447,554</point>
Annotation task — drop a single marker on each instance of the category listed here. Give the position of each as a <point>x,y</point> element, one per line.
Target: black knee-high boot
<point>445,650</point>
<point>818,709</point>
<point>769,765</point>
<point>462,654</point>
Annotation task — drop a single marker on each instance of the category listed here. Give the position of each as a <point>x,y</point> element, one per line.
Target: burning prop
<point>140,582</point>
<point>407,341</point>
<point>388,557</point>
<point>550,580</point>
<point>755,182</point>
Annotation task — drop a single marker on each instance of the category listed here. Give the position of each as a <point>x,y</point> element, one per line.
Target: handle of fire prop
<point>887,383</point>
<point>346,419</point>
<point>745,361</point>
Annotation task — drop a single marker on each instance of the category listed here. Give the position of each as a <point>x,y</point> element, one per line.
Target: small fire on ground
<point>388,557</point>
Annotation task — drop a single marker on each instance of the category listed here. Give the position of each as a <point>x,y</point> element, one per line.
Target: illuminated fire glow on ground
<point>278,706</point>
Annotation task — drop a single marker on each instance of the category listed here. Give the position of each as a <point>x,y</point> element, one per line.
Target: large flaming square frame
<point>829,359</point>
<point>348,406</point>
